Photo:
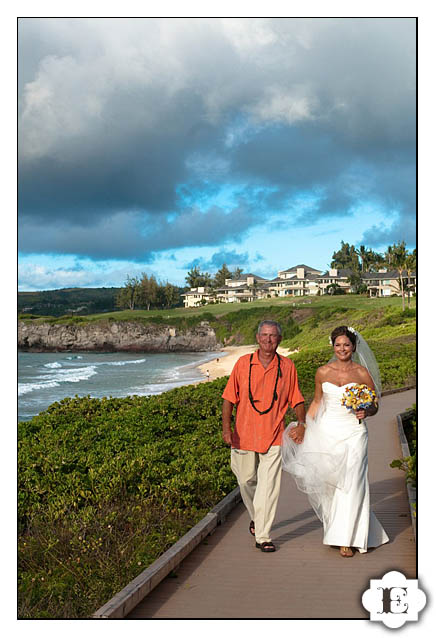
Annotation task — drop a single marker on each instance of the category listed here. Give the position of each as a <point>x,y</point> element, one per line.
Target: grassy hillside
<point>236,323</point>
<point>390,332</point>
<point>67,301</point>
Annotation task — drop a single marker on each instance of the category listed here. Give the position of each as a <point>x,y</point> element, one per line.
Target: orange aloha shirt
<point>253,431</point>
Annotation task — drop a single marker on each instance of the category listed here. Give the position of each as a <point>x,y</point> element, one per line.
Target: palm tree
<point>345,257</point>
<point>410,265</point>
<point>399,252</point>
<point>236,274</point>
<point>364,256</point>
<point>389,255</point>
<point>374,260</point>
<point>400,262</point>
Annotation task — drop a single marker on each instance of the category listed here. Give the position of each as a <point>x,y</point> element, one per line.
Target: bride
<point>331,464</point>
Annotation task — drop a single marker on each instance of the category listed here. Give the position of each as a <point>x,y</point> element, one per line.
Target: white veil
<point>319,465</point>
<point>365,356</point>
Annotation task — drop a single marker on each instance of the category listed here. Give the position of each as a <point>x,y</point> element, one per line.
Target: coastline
<point>223,366</point>
<point>45,378</point>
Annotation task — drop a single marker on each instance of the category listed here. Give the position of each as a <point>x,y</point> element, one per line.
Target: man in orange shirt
<point>262,386</point>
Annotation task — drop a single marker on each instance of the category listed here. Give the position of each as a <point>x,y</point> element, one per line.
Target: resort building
<point>247,287</point>
<point>386,283</point>
<point>300,281</point>
<point>338,276</point>
<point>198,296</point>
<point>296,281</point>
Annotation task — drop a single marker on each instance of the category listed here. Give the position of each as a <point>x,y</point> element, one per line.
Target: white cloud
<point>278,105</point>
<point>36,277</point>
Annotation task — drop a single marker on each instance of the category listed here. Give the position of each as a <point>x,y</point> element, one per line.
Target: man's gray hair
<point>269,322</point>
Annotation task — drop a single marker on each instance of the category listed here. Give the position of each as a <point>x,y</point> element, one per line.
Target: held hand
<point>297,433</point>
<point>361,414</point>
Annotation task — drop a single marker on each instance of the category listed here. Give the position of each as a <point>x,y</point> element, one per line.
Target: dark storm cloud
<point>110,171</point>
<point>118,116</point>
<point>137,237</point>
<point>382,235</point>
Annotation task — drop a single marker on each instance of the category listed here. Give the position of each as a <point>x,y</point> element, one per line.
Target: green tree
<point>402,263</point>
<point>410,266</point>
<point>364,256</point>
<point>129,296</point>
<point>171,295</point>
<point>399,252</point>
<point>236,274</point>
<point>389,256</point>
<point>220,277</point>
<point>374,260</point>
<point>195,278</point>
<point>149,290</point>
<point>357,285</point>
<point>345,257</point>
<point>334,289</point>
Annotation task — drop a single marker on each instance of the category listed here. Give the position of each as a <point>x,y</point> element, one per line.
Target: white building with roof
<point>300,281</point>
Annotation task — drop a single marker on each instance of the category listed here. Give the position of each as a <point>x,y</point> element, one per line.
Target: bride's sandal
<point>346,552</point>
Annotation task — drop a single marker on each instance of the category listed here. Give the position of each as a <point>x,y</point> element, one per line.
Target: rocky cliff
<point>116,336</point>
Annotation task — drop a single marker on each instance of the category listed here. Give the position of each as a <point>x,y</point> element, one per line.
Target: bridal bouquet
<point>359,397</point>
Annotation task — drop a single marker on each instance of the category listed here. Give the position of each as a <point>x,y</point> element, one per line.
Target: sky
<point>158,144</point>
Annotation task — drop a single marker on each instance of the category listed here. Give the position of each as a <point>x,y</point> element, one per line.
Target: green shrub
<point>107,485</point>
<point>408,464</point>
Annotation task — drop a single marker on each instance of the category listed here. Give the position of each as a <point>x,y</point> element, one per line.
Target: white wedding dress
<point>331,466</point>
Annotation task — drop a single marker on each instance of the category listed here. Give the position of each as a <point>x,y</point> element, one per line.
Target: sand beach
<point>223,366</point>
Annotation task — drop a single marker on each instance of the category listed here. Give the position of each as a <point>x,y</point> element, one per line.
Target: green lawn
<point>219,310</point>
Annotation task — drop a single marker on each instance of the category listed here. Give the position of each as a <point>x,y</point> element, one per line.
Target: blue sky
<point>151,145</point>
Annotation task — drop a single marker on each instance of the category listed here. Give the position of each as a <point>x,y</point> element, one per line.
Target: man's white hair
<point>269,322</point>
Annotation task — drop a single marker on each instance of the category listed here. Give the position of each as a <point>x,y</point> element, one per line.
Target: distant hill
<point>81,301</point>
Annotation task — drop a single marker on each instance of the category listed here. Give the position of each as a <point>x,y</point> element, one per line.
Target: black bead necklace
<point>274,397</point>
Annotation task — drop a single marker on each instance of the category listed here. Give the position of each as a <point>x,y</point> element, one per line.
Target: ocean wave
<point>57,364</point>
<point>150,375</point>
<point>43,382</point>
<point>120,363</point>
<point>25,388</point>
<point>73,375</point>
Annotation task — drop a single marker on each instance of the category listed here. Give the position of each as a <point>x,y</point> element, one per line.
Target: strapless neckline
<point>340,386</point>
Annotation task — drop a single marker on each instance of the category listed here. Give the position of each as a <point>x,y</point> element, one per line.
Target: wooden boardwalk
<point>226,577</point>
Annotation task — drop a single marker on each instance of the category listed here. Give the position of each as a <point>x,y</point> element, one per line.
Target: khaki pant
<point>259,475</point>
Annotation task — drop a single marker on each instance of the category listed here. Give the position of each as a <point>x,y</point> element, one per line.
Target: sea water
<point>44,378</point>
